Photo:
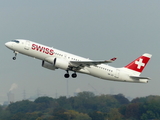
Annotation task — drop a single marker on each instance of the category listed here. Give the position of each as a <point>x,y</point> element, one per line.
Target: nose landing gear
<point>15,52</point>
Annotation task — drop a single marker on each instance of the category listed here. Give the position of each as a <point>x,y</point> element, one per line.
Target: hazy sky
<point>95,29</point>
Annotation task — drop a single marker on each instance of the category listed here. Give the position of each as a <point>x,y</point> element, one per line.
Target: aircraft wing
<point>89,63</point>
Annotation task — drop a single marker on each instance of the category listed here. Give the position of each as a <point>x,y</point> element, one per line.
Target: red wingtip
<point>113,59</point>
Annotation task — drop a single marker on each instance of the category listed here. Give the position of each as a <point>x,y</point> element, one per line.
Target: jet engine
<point>61,63</point>
<point>48,65</point>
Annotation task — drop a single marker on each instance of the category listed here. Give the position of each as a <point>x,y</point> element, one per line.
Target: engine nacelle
<point>61,63</point>
<point>48,65</point>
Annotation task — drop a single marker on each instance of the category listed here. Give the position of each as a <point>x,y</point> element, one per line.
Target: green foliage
<point>74,115</point>
<point>133,110</point>
<point>121,99</point>
<point>44,100</point>
<point>84,102</point>
<point>5,115</point>
<point>105,102</point>
<point>142,108</point>
<point>96,115</point>
<point>58,114</point>
<point>84,106</point>
<point>43,103</point>
<point>114,114</point>
<point>64,102</point>
<point>21,107</point>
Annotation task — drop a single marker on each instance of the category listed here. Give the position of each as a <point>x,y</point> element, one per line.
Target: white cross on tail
<point>140,63</point>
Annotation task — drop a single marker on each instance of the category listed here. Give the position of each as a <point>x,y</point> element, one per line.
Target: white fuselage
<point>45,53</point>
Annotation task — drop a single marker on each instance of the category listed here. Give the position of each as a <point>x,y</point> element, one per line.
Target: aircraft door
<point>27,45</point>
<point>65,56</point>
<point>117,73</point>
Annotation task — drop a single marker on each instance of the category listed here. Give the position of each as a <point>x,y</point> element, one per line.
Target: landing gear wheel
<point>14,58</point>
<point>66,75</point>
<point>74,75</point>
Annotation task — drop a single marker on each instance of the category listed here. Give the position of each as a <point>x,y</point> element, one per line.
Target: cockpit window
<point>16,41</point>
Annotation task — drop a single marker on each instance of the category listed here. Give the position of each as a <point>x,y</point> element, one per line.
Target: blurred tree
<point>121,99</point>
<point>105,102</point>
<point>74,115</point>
<point>58,114</point>
<point>114,114</point>
<point>21,107</point>
<point>18,116</point>
<point>97,115</point>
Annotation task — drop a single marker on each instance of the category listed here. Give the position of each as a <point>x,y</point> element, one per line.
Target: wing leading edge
<point>89,63</point>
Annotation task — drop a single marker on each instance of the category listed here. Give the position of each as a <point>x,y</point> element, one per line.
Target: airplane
<point>53,59</point>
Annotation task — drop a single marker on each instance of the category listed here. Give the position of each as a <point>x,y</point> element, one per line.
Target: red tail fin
<point>140,63</point>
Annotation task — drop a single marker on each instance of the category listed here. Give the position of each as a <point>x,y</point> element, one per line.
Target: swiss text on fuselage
<point>42,49</point>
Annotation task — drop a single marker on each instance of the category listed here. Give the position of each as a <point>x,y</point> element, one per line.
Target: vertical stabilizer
<point>140,63</point>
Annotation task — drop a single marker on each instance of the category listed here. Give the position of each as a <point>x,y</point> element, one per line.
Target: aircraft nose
<point>8,44</point>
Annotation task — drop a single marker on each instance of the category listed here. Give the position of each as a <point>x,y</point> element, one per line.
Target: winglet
<point>113,59</point>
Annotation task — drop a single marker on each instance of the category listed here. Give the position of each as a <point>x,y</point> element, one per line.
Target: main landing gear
<point>15,52</point>
<point>74,75</point>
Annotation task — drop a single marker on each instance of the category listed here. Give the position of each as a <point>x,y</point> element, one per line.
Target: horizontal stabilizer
<point>139,77</point>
